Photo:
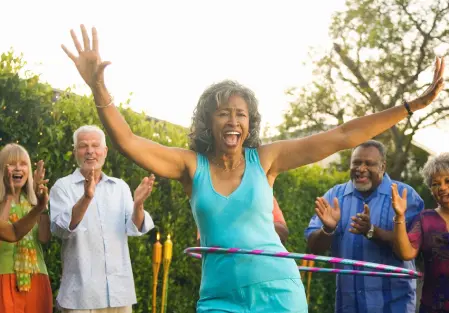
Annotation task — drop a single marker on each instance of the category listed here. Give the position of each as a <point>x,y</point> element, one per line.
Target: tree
<point>380,50</point>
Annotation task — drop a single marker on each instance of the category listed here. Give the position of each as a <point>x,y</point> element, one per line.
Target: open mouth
<point>17,177</point>
<point>231,138</point>
<point>361,179</point>
<point>89,160</point>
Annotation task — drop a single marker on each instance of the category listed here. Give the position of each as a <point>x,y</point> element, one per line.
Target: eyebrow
<point>365,160</point>
<point>231,109</point>
<point>442,177</point>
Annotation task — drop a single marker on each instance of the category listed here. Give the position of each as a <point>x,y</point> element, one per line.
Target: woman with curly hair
<point>24,283</point>
<point>429,235</point>
<point>228,176</point>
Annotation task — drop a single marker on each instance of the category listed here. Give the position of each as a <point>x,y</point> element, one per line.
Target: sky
<point>167,52</point>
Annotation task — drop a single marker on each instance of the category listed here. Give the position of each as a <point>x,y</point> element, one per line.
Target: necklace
<point>228,169</point>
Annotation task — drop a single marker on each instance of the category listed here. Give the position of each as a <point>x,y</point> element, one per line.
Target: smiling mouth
<point>17,177</point>
<point>361,179</point>
<point>231,138</point>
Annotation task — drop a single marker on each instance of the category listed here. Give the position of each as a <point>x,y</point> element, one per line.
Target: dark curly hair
<point>201,138</point>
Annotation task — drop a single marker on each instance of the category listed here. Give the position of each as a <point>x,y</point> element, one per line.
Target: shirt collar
<point>384,187</point>
<point>78,177</point>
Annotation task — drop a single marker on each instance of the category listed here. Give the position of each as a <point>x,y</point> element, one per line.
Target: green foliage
<point>45,129</point>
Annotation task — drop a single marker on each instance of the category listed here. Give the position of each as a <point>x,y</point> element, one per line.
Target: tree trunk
<point>398,164</point>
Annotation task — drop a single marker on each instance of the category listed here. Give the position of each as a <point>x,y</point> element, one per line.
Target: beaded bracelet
<point>326,233</point>
<point>396,221</point>
<point>105,106</point>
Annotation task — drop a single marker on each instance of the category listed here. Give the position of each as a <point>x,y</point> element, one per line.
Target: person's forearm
<point>138,216</point>
<point>382,236</point>
<point>401,244</point>
<point>44,233</point>
<point>78,211</point>
<point>364,128</point>
<point>319,242</point>
<point>26,223</point>
<point>282,231</point>
<point>116,126</point>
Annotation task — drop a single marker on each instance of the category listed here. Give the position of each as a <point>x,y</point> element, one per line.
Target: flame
<point>158,236</point>
<point>168,236</point>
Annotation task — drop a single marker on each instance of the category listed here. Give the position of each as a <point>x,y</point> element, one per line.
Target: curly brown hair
<point>201,138</point>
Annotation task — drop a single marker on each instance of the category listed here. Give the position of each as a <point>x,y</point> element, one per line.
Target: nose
<point>233,119</point>
<point>362,167</point>
<point>89,150</point>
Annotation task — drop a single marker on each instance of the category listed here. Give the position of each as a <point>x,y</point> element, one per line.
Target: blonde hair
<point>8,155</point>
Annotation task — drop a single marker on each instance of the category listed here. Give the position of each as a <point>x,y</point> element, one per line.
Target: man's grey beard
<point>362,187</point>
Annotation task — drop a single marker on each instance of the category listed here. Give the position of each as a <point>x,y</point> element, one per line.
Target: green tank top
<point>7,251</point>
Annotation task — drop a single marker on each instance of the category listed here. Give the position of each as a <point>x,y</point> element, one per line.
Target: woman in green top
<point>16,231</point>
<point>24,283</point>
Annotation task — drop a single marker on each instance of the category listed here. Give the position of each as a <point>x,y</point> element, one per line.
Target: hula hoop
<point>382,270</point>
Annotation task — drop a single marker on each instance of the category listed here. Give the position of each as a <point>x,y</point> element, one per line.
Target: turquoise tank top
<point>244,219</point>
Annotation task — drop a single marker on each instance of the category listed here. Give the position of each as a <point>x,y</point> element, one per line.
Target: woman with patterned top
<point>24,283</point>
<point>428,235</point>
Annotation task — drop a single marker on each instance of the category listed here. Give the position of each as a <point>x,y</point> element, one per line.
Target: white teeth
<point>232,133</point>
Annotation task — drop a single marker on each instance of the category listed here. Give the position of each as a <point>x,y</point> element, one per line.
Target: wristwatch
<point>370,232</point>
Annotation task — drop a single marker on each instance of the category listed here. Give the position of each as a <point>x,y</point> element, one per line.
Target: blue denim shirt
<point>368,294</point>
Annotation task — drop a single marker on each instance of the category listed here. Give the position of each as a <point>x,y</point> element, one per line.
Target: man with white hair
<point>94,214</point>
<point>355,220</point>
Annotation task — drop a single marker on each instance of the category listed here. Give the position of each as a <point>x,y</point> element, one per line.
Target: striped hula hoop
<point>380,269</point>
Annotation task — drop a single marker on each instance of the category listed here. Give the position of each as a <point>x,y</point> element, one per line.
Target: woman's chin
<point>232,148</point>
<point>19,185</point>
<point>444,202</point>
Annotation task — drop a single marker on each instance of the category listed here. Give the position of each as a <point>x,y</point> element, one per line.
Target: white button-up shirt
<point>96,271</point>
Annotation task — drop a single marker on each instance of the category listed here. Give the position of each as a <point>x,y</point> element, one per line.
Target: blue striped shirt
<point>361,294</point>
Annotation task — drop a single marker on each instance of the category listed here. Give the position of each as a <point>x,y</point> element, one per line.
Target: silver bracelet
<point>326,233</point>
<point>107,105</point>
